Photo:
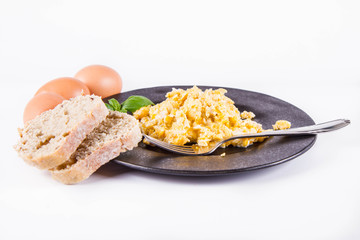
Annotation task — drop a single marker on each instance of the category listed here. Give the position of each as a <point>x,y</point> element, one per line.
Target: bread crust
<point>70,143</point>
<point>83,168</point>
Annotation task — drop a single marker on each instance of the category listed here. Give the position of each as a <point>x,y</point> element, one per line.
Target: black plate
<point>271,152</point>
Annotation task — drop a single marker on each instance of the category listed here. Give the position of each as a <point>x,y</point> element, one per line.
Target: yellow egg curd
<point>199,117</point>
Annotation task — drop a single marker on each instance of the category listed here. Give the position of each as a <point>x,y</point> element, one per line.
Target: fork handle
<point>308,130</point>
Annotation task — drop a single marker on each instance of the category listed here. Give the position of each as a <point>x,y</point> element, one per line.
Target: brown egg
<point>101,80</point>
<point>41,103</point>
<point>67,87</point>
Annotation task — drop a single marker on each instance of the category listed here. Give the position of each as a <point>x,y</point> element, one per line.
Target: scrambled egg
<point>199,117</point>
<point>281,125</point>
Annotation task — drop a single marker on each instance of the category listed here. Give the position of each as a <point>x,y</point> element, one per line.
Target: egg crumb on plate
<point>281,125</point>
<point>200,117</point>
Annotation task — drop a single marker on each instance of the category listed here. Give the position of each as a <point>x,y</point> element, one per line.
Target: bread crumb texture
<point>49,139</point>
<point>118,133</point>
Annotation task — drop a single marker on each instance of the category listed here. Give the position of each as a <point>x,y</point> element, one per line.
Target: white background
<point>304,52</point>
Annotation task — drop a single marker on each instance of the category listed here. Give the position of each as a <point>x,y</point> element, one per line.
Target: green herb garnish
<point>131,104</point>
<point>113,105</point>
<point>134,103</point>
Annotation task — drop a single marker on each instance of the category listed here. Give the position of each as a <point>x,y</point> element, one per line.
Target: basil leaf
<point>134,103</point>
<point>122,110</point>
<point>109,107</point>
<point>131,104</point>
<point>115,104</point>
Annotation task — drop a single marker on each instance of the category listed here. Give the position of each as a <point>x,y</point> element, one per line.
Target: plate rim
<point>197,173</point>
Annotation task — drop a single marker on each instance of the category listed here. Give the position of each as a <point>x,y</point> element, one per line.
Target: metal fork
<point>308,130</point>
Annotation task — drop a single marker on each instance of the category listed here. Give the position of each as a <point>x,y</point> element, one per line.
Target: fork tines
<point>171,147</point>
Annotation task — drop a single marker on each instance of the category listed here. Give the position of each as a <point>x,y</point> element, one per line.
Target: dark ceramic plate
<point>271,152</point>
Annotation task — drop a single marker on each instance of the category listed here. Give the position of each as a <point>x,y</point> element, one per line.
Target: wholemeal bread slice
<point>49,139</point>
<point>118,133</point>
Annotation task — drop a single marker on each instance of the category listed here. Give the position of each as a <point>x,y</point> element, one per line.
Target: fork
<point>307,130</point>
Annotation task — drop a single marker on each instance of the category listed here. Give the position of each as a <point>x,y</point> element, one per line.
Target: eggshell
<point>101,80</point>
<point>67,87</point>
<point>41,103</point>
